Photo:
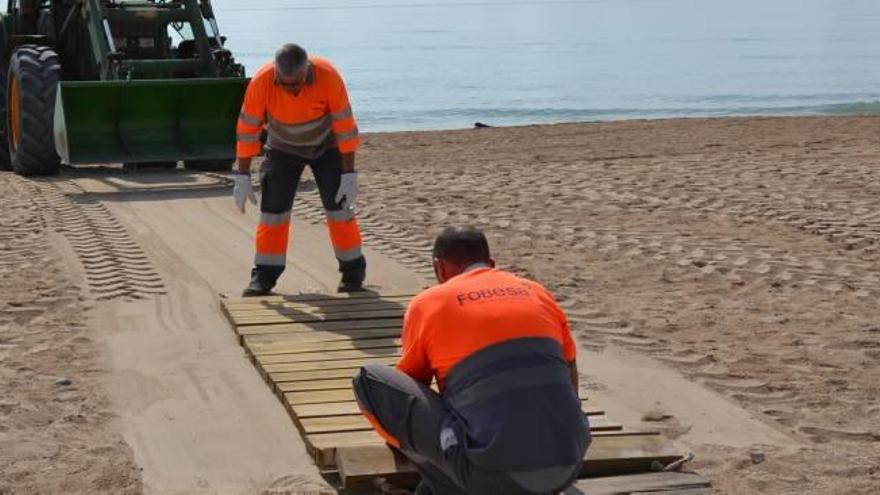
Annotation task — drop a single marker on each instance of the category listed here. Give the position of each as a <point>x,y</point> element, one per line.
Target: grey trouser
<point>426,431</point>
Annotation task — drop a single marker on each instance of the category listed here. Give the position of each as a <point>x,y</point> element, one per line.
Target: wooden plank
<point>335,424</point>
<point>326,365</point>
<point>359,460</point>
<point>326,302</point>
<point>340,327</point>
<point>335,307</point>
<point>304,411</point>
<point>259,349</point>
<point>307,312</point>
<point>319,396</point>
<point>321,384</point>
<point>327,356</point>
<point>323,443</point>
<point>316,297</point>
<point>311,375</point>
<point>309,348</point>
<point>644,482</point>
<point>340,384</point>
<point>359,466</point>
<point>357,422</point>
<point>307,318</point>
<point>346,408</point>
<point>316,336</point>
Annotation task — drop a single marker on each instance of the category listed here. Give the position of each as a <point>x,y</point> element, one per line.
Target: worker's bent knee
<point>381,404</point>
<point>374,381</point>
<point>360,385</point>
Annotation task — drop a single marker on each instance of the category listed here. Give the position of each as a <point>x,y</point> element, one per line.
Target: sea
<point>435,64</point>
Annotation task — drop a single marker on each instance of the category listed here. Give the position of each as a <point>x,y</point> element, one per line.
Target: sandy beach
<point>743,254</point>
<point>57,425</point>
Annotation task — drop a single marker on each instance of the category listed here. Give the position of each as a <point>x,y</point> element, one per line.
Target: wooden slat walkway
<point>309,347</point>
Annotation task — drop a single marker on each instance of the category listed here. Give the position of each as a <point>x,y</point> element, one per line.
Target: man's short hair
<point>290,59</point>
<point>462,245</point>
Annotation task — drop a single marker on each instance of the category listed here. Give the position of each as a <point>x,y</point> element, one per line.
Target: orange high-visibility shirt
<point>476,309</point>
<point>307,124</point>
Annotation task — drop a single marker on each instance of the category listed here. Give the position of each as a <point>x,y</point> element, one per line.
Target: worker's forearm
<point>348,162</point>
<point>573,369</point>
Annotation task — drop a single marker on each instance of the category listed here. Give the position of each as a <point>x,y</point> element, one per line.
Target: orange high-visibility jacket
<point>307,124</point>
<point>472,311</point>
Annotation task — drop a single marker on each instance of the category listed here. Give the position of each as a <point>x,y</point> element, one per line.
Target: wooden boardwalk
<point>308,348</point>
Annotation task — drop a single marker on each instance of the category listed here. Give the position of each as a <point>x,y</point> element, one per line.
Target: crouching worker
<point>507,418</point>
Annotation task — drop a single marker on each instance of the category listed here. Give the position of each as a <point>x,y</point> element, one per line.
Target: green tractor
<point>116,81</point>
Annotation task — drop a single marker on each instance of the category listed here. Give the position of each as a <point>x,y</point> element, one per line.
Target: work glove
<point>243,190</point>
<point>348,190</point>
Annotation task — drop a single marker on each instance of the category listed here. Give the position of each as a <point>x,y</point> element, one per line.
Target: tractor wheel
<point>4,74</point>
<point>34,74</point>
<point>209,165</point>
<point>4,140</point>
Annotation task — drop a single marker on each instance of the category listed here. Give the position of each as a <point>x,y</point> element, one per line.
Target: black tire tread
<point>38,70</point>
<point>5,163</point>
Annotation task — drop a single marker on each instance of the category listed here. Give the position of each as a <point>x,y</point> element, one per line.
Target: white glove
<point>243,191</point>
<point>348,190</point>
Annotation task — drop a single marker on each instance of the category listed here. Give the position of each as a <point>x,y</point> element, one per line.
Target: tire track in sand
<point>115,265</point>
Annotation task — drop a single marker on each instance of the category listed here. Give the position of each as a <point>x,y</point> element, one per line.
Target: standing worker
<point>303,105</point>
<point>508,419</point>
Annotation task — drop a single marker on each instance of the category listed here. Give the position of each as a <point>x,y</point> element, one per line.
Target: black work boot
<point>255,289</point>
<point>263,279</point>
<point>353,274</point>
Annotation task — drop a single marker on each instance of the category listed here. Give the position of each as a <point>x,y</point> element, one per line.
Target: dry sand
<point>55,437</point>
<point>721,275</point>
<point>744,252</point>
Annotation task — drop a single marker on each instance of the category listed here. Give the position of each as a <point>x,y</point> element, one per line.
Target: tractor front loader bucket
<point>147,120</point>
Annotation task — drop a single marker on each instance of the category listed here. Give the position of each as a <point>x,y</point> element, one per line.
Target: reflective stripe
<point>285,145</point>
<point>294,130</point>
<point>345,136</point>
<point>248,138</point>
<point>249,120</point>
<point>312,133</point>
<point>350,255</point>
<point>342,215</point>
<point>343,114</point>
<point>275,218</point>
<point>447,439</point>
<point>270,259</point>
<point>508,381</point>
<point>544,480</point>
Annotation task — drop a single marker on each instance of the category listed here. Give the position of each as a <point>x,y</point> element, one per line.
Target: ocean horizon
<point>421,64</point>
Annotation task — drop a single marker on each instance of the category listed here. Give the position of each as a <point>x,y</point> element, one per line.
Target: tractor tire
<point>34,74</point>
<point>209,165</point>
<point>5,163</point>
<point>4,75</point>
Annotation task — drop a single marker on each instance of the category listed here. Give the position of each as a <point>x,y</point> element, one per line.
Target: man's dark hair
<point>462,245</point>
<point>290,59</point>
